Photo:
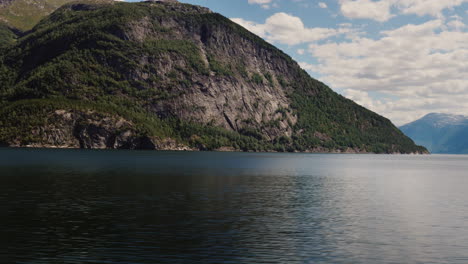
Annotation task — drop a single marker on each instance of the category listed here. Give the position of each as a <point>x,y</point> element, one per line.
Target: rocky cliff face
<point>89,129</point>
<point>162,71</point>
<point>239,89</point>
<point>5,2</point>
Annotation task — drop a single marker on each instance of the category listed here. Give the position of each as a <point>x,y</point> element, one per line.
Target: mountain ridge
<point>441,133</point>
<point>23,15</point>
<point>172,76</point>
<point>442,119</point>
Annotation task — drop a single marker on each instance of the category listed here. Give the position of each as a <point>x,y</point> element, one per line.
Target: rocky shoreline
<point>171,145</point>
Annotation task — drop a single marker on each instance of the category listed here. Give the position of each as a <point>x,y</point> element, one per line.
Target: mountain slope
<point>171,75</point>
<point>25,14</point>
<point>440,133</point>
<point>7,36</point>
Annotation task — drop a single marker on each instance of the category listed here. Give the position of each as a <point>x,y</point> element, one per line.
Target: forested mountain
<point>167,75</point>
<point>25,14</point>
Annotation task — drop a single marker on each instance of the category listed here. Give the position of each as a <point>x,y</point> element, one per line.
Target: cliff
<point>140,75</point>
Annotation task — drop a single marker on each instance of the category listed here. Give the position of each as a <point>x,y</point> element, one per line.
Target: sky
<point>400,58</point>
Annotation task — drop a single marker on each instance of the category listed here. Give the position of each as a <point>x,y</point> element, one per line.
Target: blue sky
<point>400,58</point>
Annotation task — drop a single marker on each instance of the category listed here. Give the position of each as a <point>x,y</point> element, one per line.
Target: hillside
<point>7,36</point>
<point>172,76</point>
<point>440,133</point>
<point>25,14</point>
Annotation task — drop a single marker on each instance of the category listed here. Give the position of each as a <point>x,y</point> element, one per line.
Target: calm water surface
<point>72,206</point>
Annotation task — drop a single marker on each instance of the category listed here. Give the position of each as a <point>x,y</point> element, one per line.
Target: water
<point>71,206</point>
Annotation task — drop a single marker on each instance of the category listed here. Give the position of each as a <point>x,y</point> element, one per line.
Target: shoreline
<point>221,150</point>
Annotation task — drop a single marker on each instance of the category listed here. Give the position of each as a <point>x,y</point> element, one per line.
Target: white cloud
<point>265,4</point>
<point>379,11</point>
<point>427,7</point>
<point>403,73</point>
<point>287,29</point>
<point>322,5</point>
<point>412,31</point>
<point>258,29</point>
<point>260,2</point>
<point>456,23</point>
<point>382,10</point>
<point>363,98</point>
<point>418,68</point>
<point>307,66</point>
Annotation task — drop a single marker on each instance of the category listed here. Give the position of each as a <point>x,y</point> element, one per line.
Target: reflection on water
<point>69,206</point>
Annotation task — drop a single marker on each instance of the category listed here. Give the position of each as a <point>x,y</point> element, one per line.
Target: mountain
<point>440,133</point>
<point>7,36</point>
<point>166,75</point>
<point>25,14</point>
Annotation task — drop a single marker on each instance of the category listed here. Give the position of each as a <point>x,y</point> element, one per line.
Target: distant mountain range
<point>440,133</point>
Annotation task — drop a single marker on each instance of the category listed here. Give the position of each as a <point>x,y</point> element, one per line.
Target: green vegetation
<point>348,124</point>
<point>101,58</point>
<point>269,78</point>
<point>219,68</point>
<point>19,118</point>
<point>257,78</point>
<point>24,15</point>
<point>7,36</point>
<point>185,49</point>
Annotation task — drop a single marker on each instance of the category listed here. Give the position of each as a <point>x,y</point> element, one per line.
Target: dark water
<point>63,206</point>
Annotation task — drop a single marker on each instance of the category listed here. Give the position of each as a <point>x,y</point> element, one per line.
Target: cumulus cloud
<point>322,5</point>
<point>419,68</point>
<point>260,2</point>
<point>426,7</point>
<point>307,66</point>
<point>382,10</point>
<point>369,9</point>
<point>287,29</point>
<point>266,4</point>
<point>456,23</point>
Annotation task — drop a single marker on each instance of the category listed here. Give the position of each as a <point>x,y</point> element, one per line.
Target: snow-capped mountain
<point>440,133</point>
